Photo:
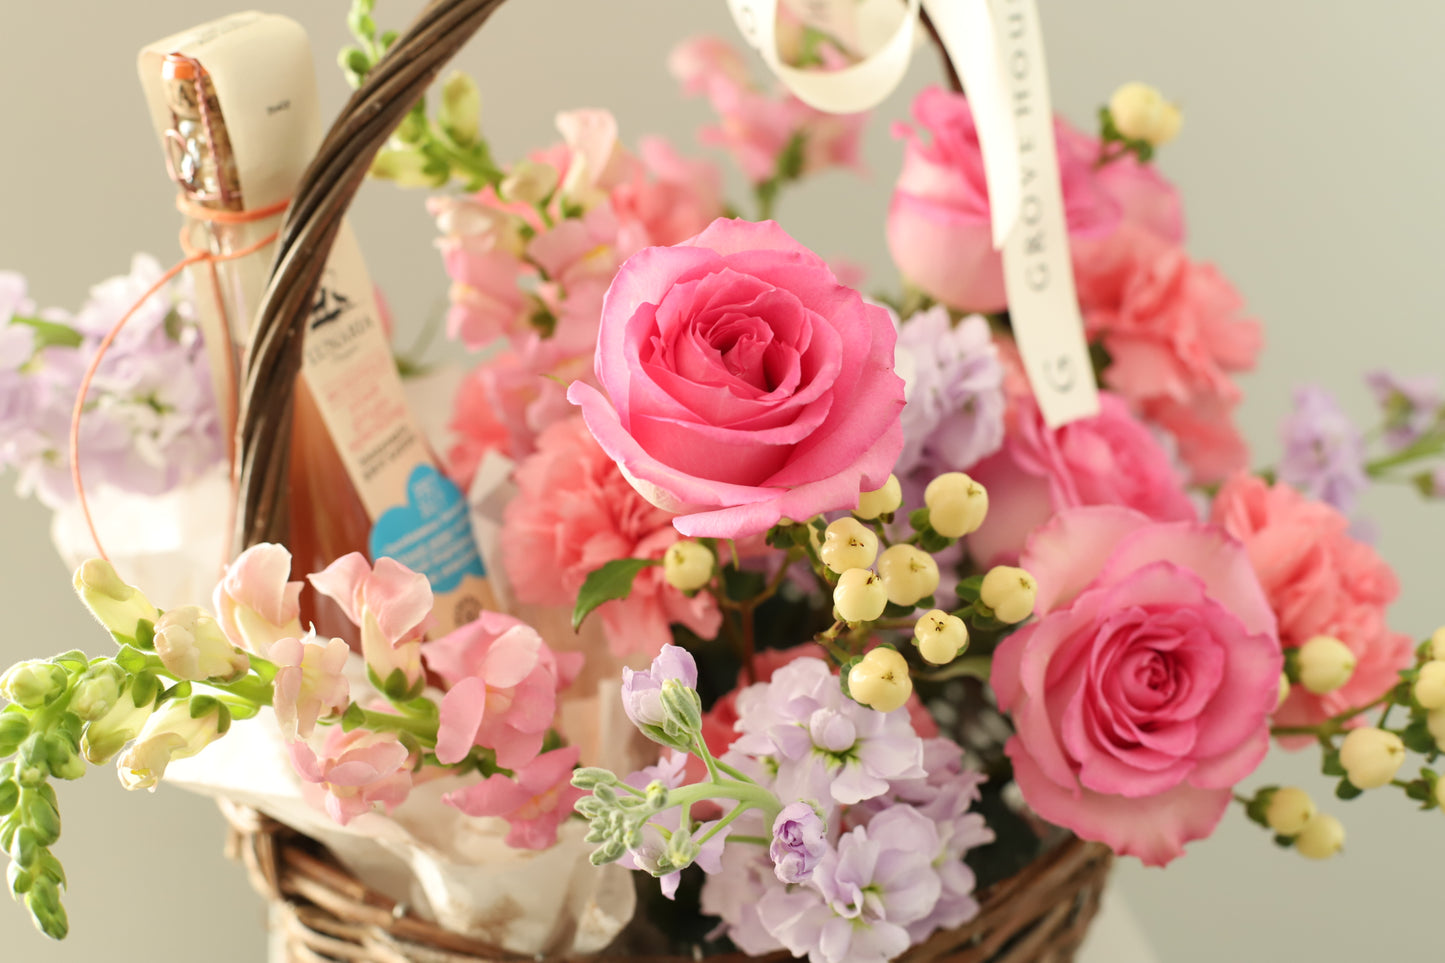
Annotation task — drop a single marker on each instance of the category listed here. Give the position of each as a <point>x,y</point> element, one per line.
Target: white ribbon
<point>1004,73</point>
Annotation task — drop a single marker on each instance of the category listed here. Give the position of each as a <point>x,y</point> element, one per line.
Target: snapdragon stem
<point>424,730</point>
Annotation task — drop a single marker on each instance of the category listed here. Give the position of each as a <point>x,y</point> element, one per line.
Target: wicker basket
<point>322,913</point>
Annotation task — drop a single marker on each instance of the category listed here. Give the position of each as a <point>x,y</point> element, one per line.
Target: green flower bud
<point>590,777</point>
<point>657,794</point>
<point>32,684</point>
<point>97,691</point>
<point>460,113</point>
<point>117,606</point>
<point>408,169</point>
<point>14,727</point>
<point>9,796</point>
<point>19,878</point>
<point>25,848</point>
<point>173,733</point>
<point>62,755</point>
<point>106,736</point>
<point>683,707</point>
<point>41,816</point>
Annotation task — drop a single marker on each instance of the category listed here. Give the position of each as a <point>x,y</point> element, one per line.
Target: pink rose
<point>1108,459</point>
<point>1319,581</point>
<point>573,513</point>
<point>939,229</point>
<point>742,382</point>
<point>1175,334</point>
<point>1142,693</point>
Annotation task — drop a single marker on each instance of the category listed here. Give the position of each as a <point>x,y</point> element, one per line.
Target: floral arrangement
<point>874,624</point>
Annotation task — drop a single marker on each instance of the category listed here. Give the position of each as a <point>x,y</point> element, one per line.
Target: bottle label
<point>431,533</point>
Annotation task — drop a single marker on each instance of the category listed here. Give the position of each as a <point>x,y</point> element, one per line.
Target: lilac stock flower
<point>653,855</point>
<point>863,894</point>
<point>826,747</point>
<point>1323,452</point>
<point>799,841</point>
<point>642,689</point>
<point>954,386</point>
<point>1412,405</point>
<point>151,422</point>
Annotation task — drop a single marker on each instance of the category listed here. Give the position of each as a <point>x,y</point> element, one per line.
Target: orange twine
<point>193,256</point>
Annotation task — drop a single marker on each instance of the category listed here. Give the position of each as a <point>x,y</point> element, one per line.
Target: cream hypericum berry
<point>1371,756</point>
<point>1430,685</point>
<point>687,565</point>
<point>880,680</point>
<point>881,501</point>
<point>1325,664</point>
<point>909,574</point>
<point>1140,112</point>
<point>1283,690</point>
<point>1437,643</point>
<point>1290,810</point>
<point>941,637</point>
<point>1010,592</point>
<point>859,596</point>
<point>848,543</point>
<point>1322,837</point>
<point>956,504</point>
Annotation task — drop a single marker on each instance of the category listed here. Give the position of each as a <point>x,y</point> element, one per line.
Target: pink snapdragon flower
<point>310,683</point>
<point>355,772</point>
<point>756,127</point>
<point>391,605</point>
<point>254,602</point>
<point>502,682</point>
<point>576,511</point>
<point>536,802</point>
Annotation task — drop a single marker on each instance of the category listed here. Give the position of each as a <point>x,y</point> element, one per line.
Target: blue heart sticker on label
<point>431,533</point>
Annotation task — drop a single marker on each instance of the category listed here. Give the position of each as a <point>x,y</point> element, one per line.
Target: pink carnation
<point>576,511</point>
<point>355,772</point>
<point>1142,693</point>
<point>535,802</point>
<point>669,200</point>
<point>510,399</point>
<point>502,682</point>
<point>1319,581</point>
<point>1175,336</point>
<point>1108,459</point>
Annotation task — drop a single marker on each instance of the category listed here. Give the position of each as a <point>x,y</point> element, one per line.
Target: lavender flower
<point>954,386</point>
<point>1323,452</point>
<point>648,695</point>
<point>824,746</point>
<point>737,894</point>
<point>799,840</point>
<point>1412,406</point>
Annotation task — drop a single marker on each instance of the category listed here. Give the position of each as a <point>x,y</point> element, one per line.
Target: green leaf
<point>1347,790</point>
<point>608,583</point>
<point>919,520</point>
<point>131,659</point>
<point>1416,737</point>
<point>51,334</point>
<point>1284,842</point>
<point>145,634</point>
<point>1330,763</point>
<point>353,717</point>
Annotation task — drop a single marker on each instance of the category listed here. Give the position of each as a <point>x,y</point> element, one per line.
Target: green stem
<point>755,840</point>
<point>1331,726</point>
<point>974,666</point>
<point>737,811</point>
<point>739,776</point>
<point>1425,447</point>
<point>754,795</point>
<point>700,749</point>
<point>425,730</point>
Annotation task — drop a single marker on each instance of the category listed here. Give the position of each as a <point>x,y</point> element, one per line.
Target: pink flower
<point>743,383</point>
<point>1108,459</point>
<point>596,161</point>
<point>574,512</point>
<point>476,427</point>
<point>1142,693</point>
<point>1319,581</point>
<point>535,802</point>
<point>391,605</point>
<point>1174,334</point>
<point>480,247</point>
<point>502,682</point>
<point>512,397</point>
<point>679,199</point>
<point>356,772</point>
<point>756,128</point>
<point>255,603</point>
<point>310,683</point>
<point>939,229</point>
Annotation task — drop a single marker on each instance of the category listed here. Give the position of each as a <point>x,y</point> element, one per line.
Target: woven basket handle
<point>263,442</point>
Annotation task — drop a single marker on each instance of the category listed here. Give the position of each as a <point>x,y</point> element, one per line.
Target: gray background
<point>1310,164</point>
